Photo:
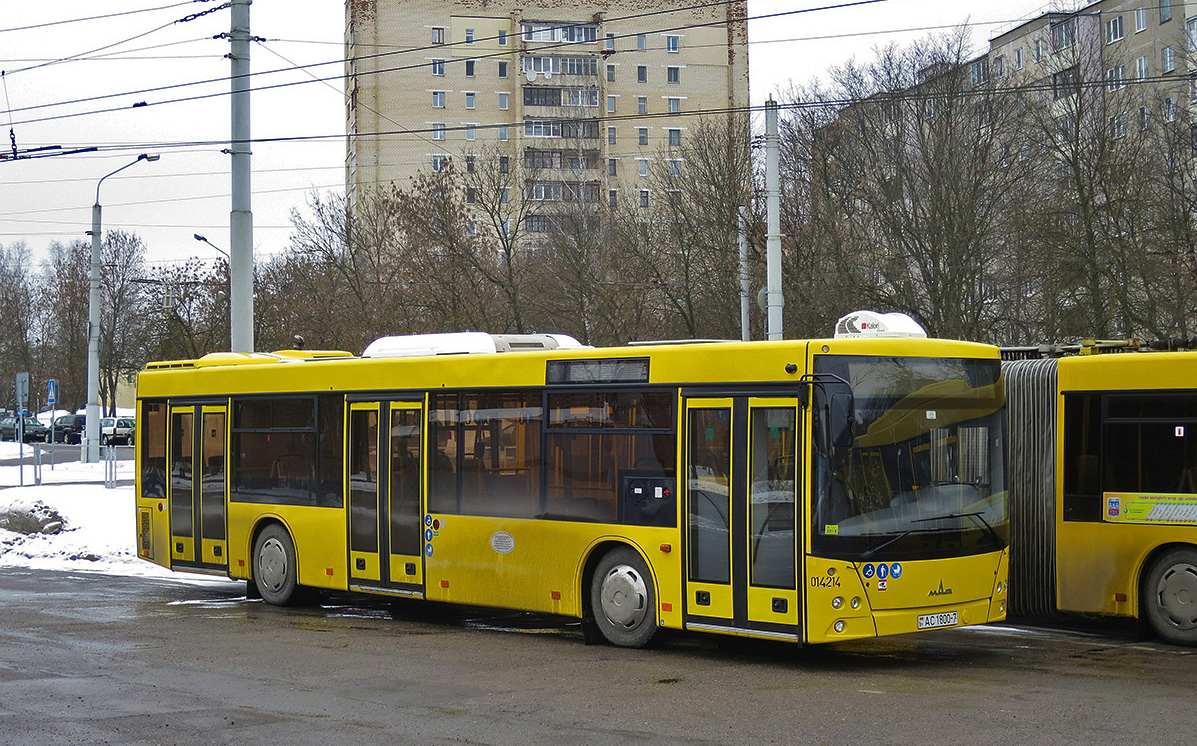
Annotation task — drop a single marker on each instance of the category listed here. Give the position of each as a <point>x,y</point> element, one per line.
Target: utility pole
<point>745,288</point>
<point>241,219</point>
<point>776,299</point>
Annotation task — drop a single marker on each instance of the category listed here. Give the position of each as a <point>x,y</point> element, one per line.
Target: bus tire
<point>275,572</point>
<point>1170,596</point>
<point>623,599</point>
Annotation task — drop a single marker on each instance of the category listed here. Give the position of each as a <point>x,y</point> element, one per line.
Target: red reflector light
<point>241,563</point>
<point>328,571</point>
<point>556,595</point>
<point>444,584</point>
<point>666,607</point>
<point>666,548</point>
<point>1120,597</point>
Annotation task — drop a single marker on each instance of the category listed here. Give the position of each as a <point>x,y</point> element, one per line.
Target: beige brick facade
<point>591,89</point>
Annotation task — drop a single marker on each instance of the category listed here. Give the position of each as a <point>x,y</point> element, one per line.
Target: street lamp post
<point>91,440</point>
<point>225,254</point>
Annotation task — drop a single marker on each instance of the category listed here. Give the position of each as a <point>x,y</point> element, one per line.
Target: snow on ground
<point>99,524</point>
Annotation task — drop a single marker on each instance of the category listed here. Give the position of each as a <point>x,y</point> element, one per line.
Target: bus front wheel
<point>1170,596</point>
<point>623,600</point>
<point>274,566</point>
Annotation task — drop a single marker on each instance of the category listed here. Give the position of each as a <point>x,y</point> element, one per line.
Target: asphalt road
<point>93,659</point>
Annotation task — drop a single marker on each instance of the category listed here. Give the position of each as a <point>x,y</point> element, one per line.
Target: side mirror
<point>840,419</point>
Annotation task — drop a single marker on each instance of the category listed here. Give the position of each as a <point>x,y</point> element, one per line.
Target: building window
<point>1039,50</point>
<point>1144,117</point>
<point>503,98</point>
<point>613,198</point>
<point>1064,83</point>
<point>470,160</point>
<point>471,130</point>
<point>979,71</point>
<point>1168,59</point>
<point>675,137</point>
<point>1063,34</point>
<point>1116,78</point>
<point>644,198</point>
<point>502,69</point>
<point>610,104</point>
<point>610,41</point>
<point>438,99</point>
<point>675,167</point>
<point>1170,109</point>
<point>672,43</point>
<point>999,66</point>
<point>438,35</point>
<point>470,100</point>
<point>610,135</point>
<point>471,228</point>
<point>1140,19</point>
<point>504,194</point>
<point>641,42</point>
<point>1114,29</point>
<point>1191,33</point>
<point>1018,58</point>
<point>469,36</point>
<point>642,133</point>
<point>1118,126</point>
<point>673,74</point>
<point>675,105</point>
<point>504,164</point>
<point>612,166</point>
<point>438,163</point>
<point>1165,11</point>
<point>469,68</point>
<point>438,131</point>
<point>503,132</point>
<point>641,73</point>
<point>502,38</point>
<point>1141,68</point>
<point>610,73</point>
<point>642,163</point>
<point>642,104</point>
<point>438,67</point>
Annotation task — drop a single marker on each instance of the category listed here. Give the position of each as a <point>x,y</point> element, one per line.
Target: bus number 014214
<point>830,581</point>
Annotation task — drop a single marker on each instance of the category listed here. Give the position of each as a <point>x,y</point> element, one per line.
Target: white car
<point>117,430</point>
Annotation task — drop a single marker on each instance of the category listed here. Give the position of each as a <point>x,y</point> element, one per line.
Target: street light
<point>92,429</point>
<point>229,294</point>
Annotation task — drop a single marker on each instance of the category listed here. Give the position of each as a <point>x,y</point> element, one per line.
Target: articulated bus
<point>1103,484</point>
<point>807,491</point>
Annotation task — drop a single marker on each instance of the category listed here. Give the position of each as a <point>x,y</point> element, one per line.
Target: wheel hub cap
<point>624,597</point>
<point>1177,593</point>
<point>272,565</point>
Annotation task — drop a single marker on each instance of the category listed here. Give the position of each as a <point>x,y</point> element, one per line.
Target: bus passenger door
<point>772,518</point>
<point>742,516</point>
<point>196,488</point>
<point>384,497</point>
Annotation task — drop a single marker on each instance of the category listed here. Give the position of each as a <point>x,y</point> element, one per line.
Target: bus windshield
<point>908,458</point>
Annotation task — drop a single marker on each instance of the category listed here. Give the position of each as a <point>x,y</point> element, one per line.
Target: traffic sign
<point>22,390</point>
<point>51,392</point>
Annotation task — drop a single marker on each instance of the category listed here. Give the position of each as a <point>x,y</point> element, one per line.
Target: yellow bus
<point>809,491</point>
<point>1103,485</point>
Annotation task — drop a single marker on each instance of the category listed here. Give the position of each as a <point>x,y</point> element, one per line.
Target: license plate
<point>942,619</point>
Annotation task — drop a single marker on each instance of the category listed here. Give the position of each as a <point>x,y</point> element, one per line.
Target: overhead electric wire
<point>66,21</point>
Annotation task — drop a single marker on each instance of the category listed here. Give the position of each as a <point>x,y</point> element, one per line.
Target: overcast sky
<point>187,191</point>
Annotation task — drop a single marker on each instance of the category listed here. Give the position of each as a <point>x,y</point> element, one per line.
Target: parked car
<point>116,431</point>
<point>69,428</point>
<point>35,432</point>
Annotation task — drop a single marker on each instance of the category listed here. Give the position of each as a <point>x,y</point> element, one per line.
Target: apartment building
<point>1139,50</point>
<point>593,97</point>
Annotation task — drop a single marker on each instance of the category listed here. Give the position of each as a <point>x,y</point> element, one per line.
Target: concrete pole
<point>745,289</point>
<point>91,431</point>
<point>776,300</point>
<point>241,219</point>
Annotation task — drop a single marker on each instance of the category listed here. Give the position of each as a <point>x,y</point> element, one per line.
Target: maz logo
<point>941,592</point>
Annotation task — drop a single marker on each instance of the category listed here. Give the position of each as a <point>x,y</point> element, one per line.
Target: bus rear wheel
<point>1170,596</point>
<point>623,599</point>
<point>274,566</point>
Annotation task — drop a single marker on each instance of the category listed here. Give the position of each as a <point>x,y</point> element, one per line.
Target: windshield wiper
<point>978,517</point>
